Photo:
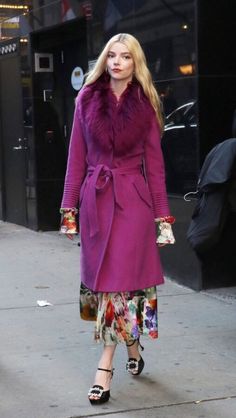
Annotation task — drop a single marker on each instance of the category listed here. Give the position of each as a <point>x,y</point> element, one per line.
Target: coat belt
<point>108,176</point>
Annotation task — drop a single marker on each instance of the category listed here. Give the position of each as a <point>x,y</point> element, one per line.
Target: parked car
<point>179,145</point>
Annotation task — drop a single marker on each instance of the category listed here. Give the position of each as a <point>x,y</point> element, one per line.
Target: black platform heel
<point>98,390</point>
<point>134,366</point>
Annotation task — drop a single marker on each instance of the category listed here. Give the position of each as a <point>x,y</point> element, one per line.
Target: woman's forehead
<point>119,47</point>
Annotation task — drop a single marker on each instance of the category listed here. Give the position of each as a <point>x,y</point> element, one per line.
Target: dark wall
<point>216,71</point>
<point>216,102</point>
<point>179,261</point>
<point>53,115</point>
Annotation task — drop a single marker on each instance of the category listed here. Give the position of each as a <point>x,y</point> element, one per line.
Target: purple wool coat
<point>115,174</point>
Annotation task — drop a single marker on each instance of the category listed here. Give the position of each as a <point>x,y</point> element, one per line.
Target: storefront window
<point>165,28</point>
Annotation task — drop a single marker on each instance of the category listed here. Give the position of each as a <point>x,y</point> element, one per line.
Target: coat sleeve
<point>76,163</point>
<point>155,170</point>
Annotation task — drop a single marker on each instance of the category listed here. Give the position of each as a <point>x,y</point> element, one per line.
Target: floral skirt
<point>120,316</point>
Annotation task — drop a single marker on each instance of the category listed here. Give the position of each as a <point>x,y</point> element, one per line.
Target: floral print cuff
<point>164,233</point>
<point>68,221</point>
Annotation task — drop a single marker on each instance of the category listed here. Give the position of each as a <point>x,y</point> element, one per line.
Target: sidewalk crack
<point>154,407</point>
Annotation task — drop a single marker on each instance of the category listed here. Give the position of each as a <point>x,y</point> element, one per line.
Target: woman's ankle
<point>133,351</point>
<point>103,378</point>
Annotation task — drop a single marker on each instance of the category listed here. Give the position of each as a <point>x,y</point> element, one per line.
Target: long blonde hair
<point>142,73</point>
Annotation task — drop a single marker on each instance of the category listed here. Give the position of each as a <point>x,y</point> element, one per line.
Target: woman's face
<point>120,63</point>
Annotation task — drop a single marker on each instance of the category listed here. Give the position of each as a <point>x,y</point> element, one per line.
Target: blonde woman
<point>115,179</point>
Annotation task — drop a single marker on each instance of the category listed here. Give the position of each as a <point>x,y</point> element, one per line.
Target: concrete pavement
<point>48,357</point>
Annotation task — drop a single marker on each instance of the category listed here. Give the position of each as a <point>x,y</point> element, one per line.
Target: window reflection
<point>166,31</point>
<point>179,145</point>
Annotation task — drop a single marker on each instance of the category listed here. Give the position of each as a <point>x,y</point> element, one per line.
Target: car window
<point>179,115</point>
<point>191,115</point>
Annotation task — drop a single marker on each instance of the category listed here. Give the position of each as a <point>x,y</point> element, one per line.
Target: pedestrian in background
<point>115,176</point>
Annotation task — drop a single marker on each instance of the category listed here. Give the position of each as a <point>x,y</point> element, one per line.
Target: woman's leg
<point>132,349</point>
<point>135,363</point>
<point>103,378</point>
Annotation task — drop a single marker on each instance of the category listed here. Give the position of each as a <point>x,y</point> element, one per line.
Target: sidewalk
<point>48,357</point>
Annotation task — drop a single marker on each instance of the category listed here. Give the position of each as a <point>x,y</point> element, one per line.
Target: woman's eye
<point>110,56</point>
<point>127,57</point>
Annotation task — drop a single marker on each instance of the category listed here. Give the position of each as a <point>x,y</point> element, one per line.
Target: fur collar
<point>114,125</point>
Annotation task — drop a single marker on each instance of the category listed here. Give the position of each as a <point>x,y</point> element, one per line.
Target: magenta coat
<point>115,173</point>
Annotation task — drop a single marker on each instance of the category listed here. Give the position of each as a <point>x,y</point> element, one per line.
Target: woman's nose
<point>117,61</point>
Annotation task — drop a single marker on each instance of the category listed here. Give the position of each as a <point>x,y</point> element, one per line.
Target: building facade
<point>47,46</point>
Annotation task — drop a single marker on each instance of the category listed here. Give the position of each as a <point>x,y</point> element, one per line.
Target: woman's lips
<point>116,70</point>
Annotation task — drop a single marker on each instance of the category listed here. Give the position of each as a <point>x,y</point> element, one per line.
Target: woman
<point>116,173</point>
